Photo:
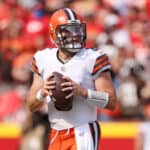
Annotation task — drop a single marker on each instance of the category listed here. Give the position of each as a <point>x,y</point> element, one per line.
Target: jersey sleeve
<point>36,66</point>
<point>99,63</point>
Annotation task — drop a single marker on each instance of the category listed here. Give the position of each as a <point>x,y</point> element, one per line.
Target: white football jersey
<point>83,68</point>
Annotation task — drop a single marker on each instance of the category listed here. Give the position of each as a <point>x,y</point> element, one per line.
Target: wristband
<point>97,98</point>
<point>39,96</point>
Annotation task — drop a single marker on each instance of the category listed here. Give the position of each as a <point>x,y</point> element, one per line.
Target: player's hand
<point>48,86</point>
<point>76,89</point>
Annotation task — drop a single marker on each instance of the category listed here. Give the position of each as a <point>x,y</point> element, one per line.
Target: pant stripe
<point>96,135</point>
<point>95,130</point>
<point>92,133</point>
<point>99,133</point>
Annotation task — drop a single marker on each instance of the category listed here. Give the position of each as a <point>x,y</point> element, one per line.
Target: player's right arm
<point>32,101</point>
<point>40,87</point>
<point>45,87</point>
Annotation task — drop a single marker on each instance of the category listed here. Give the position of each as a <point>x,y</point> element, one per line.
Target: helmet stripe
<point>70,14</point>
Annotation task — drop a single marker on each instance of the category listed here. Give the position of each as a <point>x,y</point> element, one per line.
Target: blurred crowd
<point>121,28</point>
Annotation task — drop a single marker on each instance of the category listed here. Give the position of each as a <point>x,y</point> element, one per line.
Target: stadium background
<point>119,27</point>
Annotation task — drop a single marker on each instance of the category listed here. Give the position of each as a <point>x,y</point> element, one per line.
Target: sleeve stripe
<point>34,66</point>
<point>100,58</point>
<point>35,70</point>
<point>100,67</point>
<point>100,61</point>
<point>34,61</point>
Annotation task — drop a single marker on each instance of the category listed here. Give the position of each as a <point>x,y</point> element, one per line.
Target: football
<point>61,103</point>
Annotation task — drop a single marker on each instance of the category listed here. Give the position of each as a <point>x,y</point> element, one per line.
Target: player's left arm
<point>104,84</point>
<point>103,96</point>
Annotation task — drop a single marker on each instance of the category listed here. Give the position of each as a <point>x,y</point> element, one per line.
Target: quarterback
<point>88,80</point>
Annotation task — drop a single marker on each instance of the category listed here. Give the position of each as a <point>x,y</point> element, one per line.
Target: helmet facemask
<point>71,37</point>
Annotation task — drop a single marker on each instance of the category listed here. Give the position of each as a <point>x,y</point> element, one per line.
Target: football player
<point>87,74</point>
